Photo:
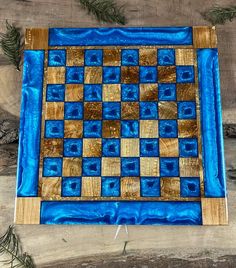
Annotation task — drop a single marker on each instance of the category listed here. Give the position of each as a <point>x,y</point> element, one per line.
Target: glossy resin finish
<point>121,126</point>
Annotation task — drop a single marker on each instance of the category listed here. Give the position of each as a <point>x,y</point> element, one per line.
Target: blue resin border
<point>211,123</point>
<point>120,36</point>
<point>124,212</point>
<point>30,124</point>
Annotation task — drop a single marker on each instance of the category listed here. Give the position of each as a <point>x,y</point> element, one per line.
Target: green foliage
<point>10,246</point>
<point>105,10</point>
<point>11,44</point>
<point>219,15</point>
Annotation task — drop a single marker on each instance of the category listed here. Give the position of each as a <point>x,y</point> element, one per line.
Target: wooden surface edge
<point>214,211</point>
<point>27,210</point>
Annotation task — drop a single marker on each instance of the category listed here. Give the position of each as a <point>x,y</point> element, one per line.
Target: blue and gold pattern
<point>120,121</point>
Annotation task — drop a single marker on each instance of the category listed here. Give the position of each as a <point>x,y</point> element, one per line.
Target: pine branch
<point>105,10</point>
<point>219,15</point>
<point>11,44</point>
<point>10,245</point>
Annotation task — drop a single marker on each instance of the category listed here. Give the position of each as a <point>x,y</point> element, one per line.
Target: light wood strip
<point>214,211</point>
<point>27,210</point>
<point>204,37</point>
<point>36,38</point>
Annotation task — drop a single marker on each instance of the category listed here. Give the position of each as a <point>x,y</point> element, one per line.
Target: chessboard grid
<point>101,197</point>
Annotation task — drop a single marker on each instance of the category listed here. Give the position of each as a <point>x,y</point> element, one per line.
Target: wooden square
<point>36,38</point>
<point>130,187</point>
<point>111,57</point>
<point>91,187</point>
<point>187,129</point>
<point>149,166</point>
<point>72,166</point>
<point>148,92</point>
<point>170,187</point>
<point>73,128</point>
<point>51,188</point>
<point>111,92</point>
<point>93,75</point>
<point>111,166</point>
<point>184,56</point>
<point>168,147</point>
<point>111,129</point>
<point>189,167</point>
<point>186,92</point>
<point>75,57</point>
<point>54,110</point>
<point>130,75</point>
<point>214,211</point>
<point>148,128</point>
<point>56,75</point>
<point>167,110</point>
<point>52,147</point>
<point>148,56</point>
<point>74,92</point>
<point>166,74</point>
<point>92,110</point>
<point>130,110</point>
<point>27,210</point>
<point>130,147</point>
<point>92,147</point>
<point>204,37</point>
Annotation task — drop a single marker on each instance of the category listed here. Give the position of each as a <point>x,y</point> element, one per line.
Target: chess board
<point>121,126</point>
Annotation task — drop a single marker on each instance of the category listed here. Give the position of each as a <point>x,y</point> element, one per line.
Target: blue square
<point>129,92</point>
<point>149,147</point>
<point>185,74</point>
<point>186,110</point>
<point>167,92</point>
<point>92,92</point>
<point>111,110</point>
<point>73,147</point>
<point>55,93</point>
<point>168,129</point>
<point>73,110</point>
<point>54,129</point>
<point>110,186</point>
<point>129,129</point>
<point>189,187</point>
<point>71,186</point>
<point>92,129</point>
<point>188,148</point>
<point>130,166</point>
<point>93,57</point>
<point>110,147</point>
<point>74,75</point>
<point>166,57</point>
<point>52,167</point>
<point>129,57</point>
<point>56,57</point>
<point>169,167</point>
<point>148,74</point>
<point>91,166</point>
<point>111,75</point>
<point>150,187</point>
<point>148,110</point>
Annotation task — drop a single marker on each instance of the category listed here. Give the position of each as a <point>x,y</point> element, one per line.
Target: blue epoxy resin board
<point>121,126</point>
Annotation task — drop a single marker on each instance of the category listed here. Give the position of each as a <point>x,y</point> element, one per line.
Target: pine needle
<point>10,245</point>
<point>11,45</point>
<point>105,10</point>
<point>219,15</point>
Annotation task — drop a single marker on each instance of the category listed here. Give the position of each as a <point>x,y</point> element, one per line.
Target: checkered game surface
<point>120,124</point>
